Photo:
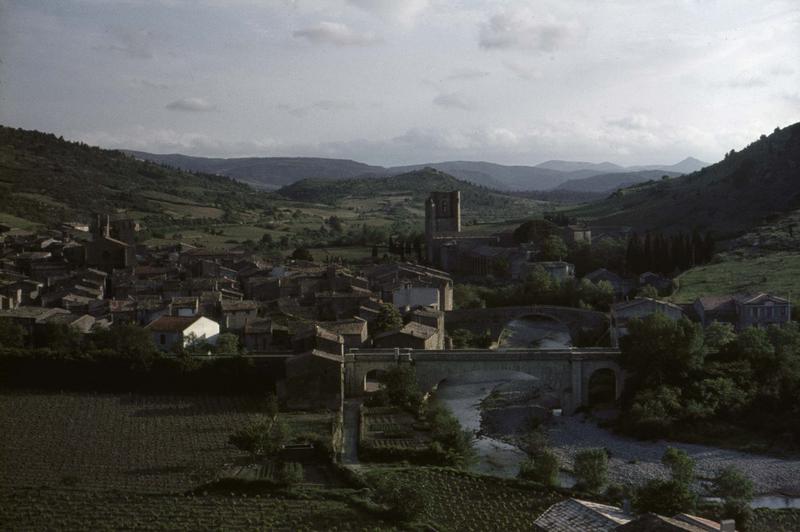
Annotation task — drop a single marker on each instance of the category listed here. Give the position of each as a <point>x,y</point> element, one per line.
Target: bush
<point>591,469</point>
<point>665,497</point>
<point>542,468</point>
<point>403,502</point>
<point>680,465</point>
<point>290,473</point>
<point>732,485</point>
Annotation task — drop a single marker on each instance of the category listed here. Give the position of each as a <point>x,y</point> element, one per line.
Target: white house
<point>167,331</point>
<point>408,295</point>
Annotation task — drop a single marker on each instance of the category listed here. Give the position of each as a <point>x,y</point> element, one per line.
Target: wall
<point>203,329</point>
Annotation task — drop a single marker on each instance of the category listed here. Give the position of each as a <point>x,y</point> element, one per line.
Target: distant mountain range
<point>276,172</point>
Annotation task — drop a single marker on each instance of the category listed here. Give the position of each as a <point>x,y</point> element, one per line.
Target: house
<point>662,284</point>
<point>412,335</point>
<point>263,334</point>
<point>577,234</point>
<point>571,515</point>
<point>558,270</point>
<point>183,331</point>
<point>314,379</point>
<point>316,338</point>
<point>743,311</point>
<point>235,314</point>
<point>385,278</point>
<point>761,310</point>
<point>622,287</point>
<point>641,307</point>
<point>408,295</point>
<point>432,318</point>
<point>651,522</point>
<point>352,331</point>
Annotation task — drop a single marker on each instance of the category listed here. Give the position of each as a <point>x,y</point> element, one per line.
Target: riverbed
<point>776,480</point>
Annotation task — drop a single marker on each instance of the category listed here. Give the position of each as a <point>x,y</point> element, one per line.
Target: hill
<point>756,185</point>
<point>607,183</point>
<point>413,187</point>
<point>265,172</point>
<point>45,180</point>
<point>275,172</point>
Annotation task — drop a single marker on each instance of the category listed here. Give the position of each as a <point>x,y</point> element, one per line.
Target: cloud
<point>452,100</point>
<point>466,74</point>
<point>523,30</point>
<point>321,105</point>
<point>336,34</point>
<point>746,82</point>
<point>400,10</point>
<point>525,73</point>
<point>634,122</point>
<point>135,44</point>
<point>195,105</point>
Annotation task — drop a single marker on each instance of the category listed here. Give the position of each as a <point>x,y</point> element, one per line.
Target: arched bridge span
<point>565,373</point>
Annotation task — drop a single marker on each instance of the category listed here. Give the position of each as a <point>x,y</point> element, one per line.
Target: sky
<point>394,82</point>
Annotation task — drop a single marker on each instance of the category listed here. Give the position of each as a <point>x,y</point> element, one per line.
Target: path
<point>352,408</point>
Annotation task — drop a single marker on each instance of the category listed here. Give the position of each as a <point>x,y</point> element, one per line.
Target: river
<point>632,461</point>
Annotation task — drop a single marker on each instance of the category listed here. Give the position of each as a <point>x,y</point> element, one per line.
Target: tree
<point>648,290</point>
<point>400,389</point>
<point>302,254</point>
<point>554,248</point>
<point>719,334</point>
<point>653,411</point>
<point>535,231</point>
<point>542,467</point>
<point>227,344</point>
<point>665,497</point>
<point>731,484</point>
<point>388,319</point>
<point>591,469</point>
<point>267,239</point>
<point>402,501</point>
<point>11,334</point>
<point>127,341</point>
<point>265,436</point>
<point>679,463</point>
<point>658,350</point>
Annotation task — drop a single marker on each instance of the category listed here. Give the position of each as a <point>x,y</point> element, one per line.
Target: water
<point>533,332</point>
<point>463,397</point>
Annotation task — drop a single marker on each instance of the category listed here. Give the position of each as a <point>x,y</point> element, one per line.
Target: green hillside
<point>759,184</point>
<point>45,180</point>
<point>408,192</point>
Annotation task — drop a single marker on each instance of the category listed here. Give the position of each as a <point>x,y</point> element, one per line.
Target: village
<point>327,336</point>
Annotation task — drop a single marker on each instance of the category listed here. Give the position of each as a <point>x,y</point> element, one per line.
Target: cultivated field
<point>122,442</point>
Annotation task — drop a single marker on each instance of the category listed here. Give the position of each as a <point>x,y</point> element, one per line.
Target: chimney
<point>727,525</point>
<point>107,227</point>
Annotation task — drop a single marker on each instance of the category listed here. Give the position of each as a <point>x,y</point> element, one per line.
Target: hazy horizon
<point>392,82</point>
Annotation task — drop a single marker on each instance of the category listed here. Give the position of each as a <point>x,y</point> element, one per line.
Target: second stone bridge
<point>568,374</point>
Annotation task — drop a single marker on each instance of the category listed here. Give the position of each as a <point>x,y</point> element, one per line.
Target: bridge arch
<point>374,380</point>
<point>601,387</point>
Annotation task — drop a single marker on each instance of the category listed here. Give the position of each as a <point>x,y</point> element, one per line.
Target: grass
<point>776,273</point>
<point>18,223</point>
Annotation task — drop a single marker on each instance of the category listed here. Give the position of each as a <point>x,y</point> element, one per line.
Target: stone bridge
<point>478,320</point>
<point>565,374</point>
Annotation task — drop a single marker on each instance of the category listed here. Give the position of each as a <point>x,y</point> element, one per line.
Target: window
<point>163,339</point>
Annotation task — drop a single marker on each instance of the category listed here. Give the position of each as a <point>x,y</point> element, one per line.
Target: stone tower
<point>442,215</point>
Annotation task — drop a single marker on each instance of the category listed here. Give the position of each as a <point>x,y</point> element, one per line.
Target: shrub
<point>665,497</point>
<point>290,473</point>
<point>591,469</point>
<point>542,467</point>
<point>680,465</point>
<point>732,485</point>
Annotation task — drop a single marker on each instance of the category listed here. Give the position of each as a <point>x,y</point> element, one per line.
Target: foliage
<point>536,231</point>
<point>591,469</point>
<point>660,351</point>
<point>732,484</point>
<point>399,389</point>
<point>554,248</point>
<point>653,411</point>
<point>227,344</point>
<point>665,497</point>
<point>719,334</point>
<point>388,319</point>
<point>265,436</point>
<point>679,463</point>
<point>302,254</point>
<point>11,334</point>
<point>542,467</point>
<point>463,339</point>
<point>403,501</point>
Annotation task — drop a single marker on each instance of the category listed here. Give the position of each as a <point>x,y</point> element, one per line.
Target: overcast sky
<point>405,81</point>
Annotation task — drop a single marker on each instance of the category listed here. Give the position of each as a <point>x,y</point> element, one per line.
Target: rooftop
<point>575,514</point>
<point>172,323</point>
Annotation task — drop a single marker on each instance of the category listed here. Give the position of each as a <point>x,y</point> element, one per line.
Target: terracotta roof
<point>574,514</point>
<point>643,300</point>
<point>172,323</point>
<point>354,326</point>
